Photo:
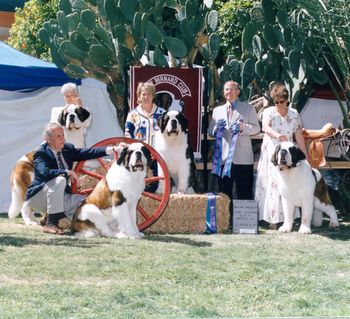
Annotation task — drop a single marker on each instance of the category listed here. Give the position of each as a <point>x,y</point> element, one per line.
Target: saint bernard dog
<point>172,143</point>
<point>21,177</point>
<point>74,120</point>
<point>110,210</point>
<point>301,186</point>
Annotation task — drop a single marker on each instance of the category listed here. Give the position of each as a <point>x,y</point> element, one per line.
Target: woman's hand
<point>78,101</point>
<point>282,138</point>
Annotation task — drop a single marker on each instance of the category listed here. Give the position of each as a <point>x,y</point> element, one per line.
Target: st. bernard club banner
<point>177,88</point>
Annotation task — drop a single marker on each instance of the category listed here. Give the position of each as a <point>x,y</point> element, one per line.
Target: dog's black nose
<point>173,124</point>
<point>71,118</point>
<point>138,155</point>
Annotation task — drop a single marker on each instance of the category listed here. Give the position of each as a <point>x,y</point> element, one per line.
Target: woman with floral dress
<point>280,123</point>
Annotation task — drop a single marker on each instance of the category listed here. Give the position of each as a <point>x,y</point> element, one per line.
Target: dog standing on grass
<point>300,185</point>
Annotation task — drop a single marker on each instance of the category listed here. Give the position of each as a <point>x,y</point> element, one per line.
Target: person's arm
<point>43,168</point>
<point>214,123</point>
<point>250,126</point>
<point>266,127</point>
<point>301,143</point>
<point>129,127</point>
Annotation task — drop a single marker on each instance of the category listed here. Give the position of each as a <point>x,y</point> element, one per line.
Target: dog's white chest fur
<point>171,141</point>
<point>289,183</point>
<point>132,185</point>
<point>172,151</point>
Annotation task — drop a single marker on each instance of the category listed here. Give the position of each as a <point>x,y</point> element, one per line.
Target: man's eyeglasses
<point>279,102</point>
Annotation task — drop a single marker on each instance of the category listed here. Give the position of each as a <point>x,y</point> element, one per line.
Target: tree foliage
<point>230,28</point>
<point>28,22</point>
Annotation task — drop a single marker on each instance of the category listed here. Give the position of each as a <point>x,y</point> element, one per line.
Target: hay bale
<point>87,181</point>
<point>185,214</point>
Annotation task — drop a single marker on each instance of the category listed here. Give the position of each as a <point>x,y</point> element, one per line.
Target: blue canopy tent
<point>19,71</point>
<point>11,5</point>
<point>29,89</point>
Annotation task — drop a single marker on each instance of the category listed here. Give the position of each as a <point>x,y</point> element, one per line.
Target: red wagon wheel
<point>90,172</point>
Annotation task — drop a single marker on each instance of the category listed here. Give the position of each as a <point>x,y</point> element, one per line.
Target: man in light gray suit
<point>237,118</point>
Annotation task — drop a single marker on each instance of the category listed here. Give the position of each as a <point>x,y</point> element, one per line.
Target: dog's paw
<point>120,235</point>
<point>285,228</point>
<point>304,229</point>
<point>135,237</point>
<point>333,224</point>
<point>30,222</point>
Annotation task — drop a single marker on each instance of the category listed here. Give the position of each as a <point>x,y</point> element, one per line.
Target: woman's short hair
<point>279,91</point>
<point>49,127</point>
<point>69,88</point>
<point>146,86</point>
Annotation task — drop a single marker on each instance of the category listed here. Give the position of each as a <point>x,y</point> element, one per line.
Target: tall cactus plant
<point>102,38</point>
<point>274,49</point>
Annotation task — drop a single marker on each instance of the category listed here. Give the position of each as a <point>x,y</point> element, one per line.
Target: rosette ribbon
<point>220,129</point>
<point>234,135</point>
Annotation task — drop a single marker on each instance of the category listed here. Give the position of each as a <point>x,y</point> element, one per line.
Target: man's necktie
<point>60,161</point>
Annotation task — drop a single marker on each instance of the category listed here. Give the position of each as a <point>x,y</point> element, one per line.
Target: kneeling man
<point>53,162</point>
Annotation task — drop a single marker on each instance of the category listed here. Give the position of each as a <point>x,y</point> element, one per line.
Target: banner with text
<point>177,89</point>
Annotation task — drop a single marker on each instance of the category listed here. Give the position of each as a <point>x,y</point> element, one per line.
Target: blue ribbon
<point>234,135</point>
<point>210,217</point>
<point>218,147</point>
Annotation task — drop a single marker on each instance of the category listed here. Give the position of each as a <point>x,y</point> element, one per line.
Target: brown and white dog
<point>301,186</point>
<point>110,210</point>
<point>172,143</point>
<point>21,178</point>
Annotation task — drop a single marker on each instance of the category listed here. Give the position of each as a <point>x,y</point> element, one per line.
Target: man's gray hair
<point>49,127</point>
<point>70,88</point>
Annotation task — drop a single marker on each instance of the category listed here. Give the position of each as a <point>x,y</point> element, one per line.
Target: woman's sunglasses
<point>279,102</point>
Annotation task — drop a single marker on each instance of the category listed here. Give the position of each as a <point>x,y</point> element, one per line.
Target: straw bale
<point>87,181</point>
<point>186,213</point>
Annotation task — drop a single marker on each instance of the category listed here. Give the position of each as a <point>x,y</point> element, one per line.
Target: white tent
<point>24,114</point>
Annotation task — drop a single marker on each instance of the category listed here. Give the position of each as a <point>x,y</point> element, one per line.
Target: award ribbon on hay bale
<point>210,217</point>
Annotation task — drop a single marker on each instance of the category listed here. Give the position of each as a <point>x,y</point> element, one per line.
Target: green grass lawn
<point>173,276</point>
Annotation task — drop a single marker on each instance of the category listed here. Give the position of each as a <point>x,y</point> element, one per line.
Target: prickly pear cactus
<point>274,50</point>
<point>102,38</point>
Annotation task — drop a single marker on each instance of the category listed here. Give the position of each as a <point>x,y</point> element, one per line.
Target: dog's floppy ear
<point>62,118</point>
<point>122,155</point>
<point>161,121</point>
<point>147,154</point>
<point>297,155</point>
<point>274,158</point>
<point>183,122</point>
<point>83,114</point>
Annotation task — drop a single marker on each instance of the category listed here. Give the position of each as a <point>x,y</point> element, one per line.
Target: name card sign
<point>245,217</point>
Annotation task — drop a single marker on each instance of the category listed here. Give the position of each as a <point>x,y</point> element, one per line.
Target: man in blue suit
<point>53,162</point>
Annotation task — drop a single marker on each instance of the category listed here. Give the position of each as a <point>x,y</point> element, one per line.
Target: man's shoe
<point>64,223</point>
<point>52,229</point>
